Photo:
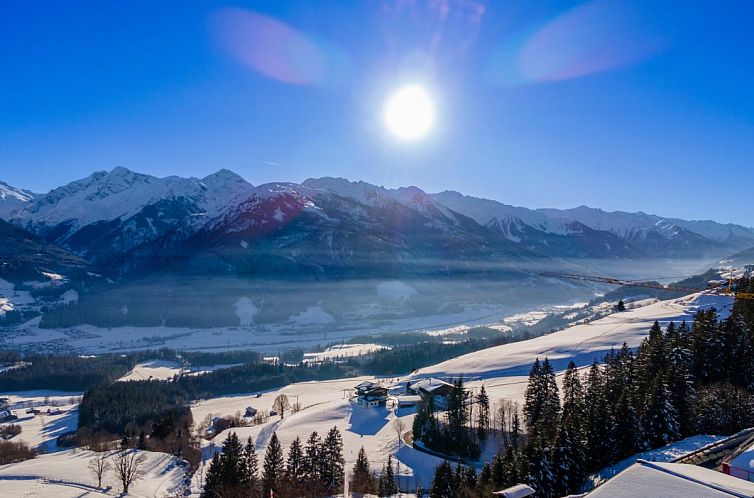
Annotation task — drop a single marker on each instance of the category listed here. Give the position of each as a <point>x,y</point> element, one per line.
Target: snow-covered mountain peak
<point>224,177</point>
<point>495,214</point>
<point>362,192</point>
<point>8,193</point>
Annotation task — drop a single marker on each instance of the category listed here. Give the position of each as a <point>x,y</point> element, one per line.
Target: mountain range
<point>137,228</point>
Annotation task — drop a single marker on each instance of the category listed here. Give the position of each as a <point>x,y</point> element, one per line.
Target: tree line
<point>313,468</point>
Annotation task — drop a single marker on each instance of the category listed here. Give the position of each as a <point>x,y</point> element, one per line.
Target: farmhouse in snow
<point>369,394</point>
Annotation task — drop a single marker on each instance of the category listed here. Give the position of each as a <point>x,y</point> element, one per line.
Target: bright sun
<point>409,113</point>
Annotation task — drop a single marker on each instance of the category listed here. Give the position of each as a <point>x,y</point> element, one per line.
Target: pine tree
<point>332,458</point>
<point>540,477</point>
<point>705,346</point>
<point>483,414</point>
<point>542,408</point>
<point>443,482</point>
<point>568,462</point>
<point>573,401</point>
<point>294,466</point>
<point>387,485</point>
<point>516,429</point>
<point>626,430</point>
<point>534,397</point>
<point>505,468</point>
<point>250,479</point>
<point>661,418</point>
<point>621,306</point>
<point>312,460</point>
<point>225,477</point>
<point>362,481</point>
<point>597,424</point>
<point>213,480</point>
<point>680,377</point>
<point>273,468</point>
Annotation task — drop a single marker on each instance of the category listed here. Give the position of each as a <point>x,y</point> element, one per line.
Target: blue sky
<point>639,105</point>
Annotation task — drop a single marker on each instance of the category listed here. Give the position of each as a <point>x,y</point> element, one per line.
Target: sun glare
<point>409,113</point>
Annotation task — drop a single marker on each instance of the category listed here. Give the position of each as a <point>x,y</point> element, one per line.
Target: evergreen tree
<point>705,346</point>
<point>568,462</point>
<point>573,401</point>
<point>312,460</point>
<point>443,482</point>
<point>621,306</point>
<point>483,414</point>
<point>332,457</point>
<point>250,464</point>
<point>597,424</point>
<point>225,476</point>
<point>661,419</point>
<point>534,397</point>
<point>362,481</point>
<point>485,484</point>
<point>213,481</point>
<point>387,485</point>
<point>294,467</point>
<point>680,377</point>
<point>273,468</point>
<point>540,477</point>
<point>542,408</point>
<point>516,430</point>
<point>626,430</point>
<point>505,468</point>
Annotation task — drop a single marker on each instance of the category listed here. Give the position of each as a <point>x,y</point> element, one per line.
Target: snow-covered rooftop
<point>672,480</point>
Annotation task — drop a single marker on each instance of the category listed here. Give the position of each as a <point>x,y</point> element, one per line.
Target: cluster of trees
<point>363,480</point>
<point>681,381</point>
<point>150,416</point>
<point>452,433</point>
<point>113,406</point>
<point>12,452</point>
<point>9,431</point>
<point>314,468</point>
<point>67,372</point>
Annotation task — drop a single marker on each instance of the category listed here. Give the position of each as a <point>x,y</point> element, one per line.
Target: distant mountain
<point>107,214</point>
<point>12,198</point>
<point>123,220</point>
<point>190,241</point>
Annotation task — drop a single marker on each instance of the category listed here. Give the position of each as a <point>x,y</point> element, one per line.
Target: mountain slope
<point>25,255</point>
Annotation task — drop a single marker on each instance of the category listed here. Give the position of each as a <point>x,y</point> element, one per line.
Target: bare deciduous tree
<point>281,405</point>
<point>99,465</point>
<point>400,426</point>
<point>127,466</point>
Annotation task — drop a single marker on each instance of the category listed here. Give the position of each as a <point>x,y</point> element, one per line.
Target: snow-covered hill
<point>582,343</point>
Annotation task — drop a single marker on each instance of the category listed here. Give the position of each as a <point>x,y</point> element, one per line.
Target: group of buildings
<point>402,395</point>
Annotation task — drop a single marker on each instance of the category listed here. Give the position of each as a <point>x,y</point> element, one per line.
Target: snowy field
<point>342,351</point>
<point>166,370</point>
<point>581,343</point>
<point>66,474</point>
<point>41,430</point>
